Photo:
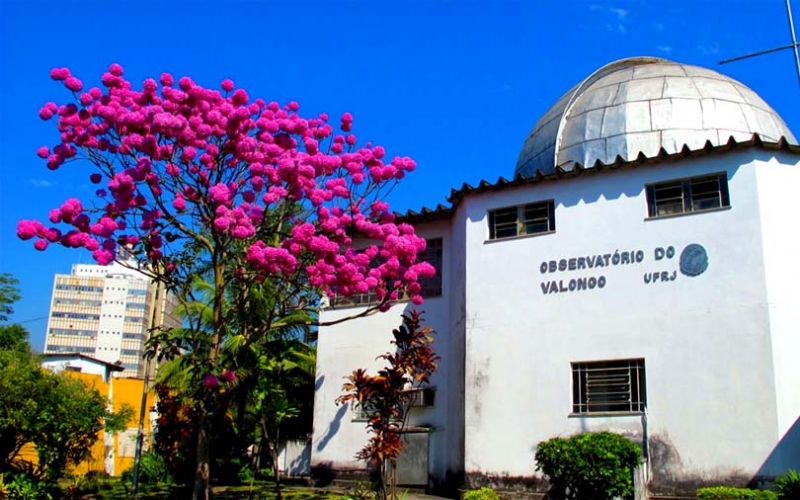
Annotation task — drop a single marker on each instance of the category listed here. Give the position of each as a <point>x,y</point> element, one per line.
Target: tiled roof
<point>441,212</point>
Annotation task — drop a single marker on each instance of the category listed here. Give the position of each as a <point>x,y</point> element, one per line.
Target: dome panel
<point>641,105</point>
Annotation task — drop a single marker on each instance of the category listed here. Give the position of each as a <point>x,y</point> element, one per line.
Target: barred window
<point>696,194</point>
<point>533,218</point>
<point>609,386</point>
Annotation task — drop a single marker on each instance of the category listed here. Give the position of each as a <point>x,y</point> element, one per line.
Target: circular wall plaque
<point>694,260</point>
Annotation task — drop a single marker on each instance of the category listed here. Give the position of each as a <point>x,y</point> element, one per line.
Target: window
<point>688,195</point>
<point>420,397</point>
<point>432,287</point>
<point>68,348</point>
<point>72,315</point>
<point>608,386</point>
<point>66,331</point>
<point>533,218</point>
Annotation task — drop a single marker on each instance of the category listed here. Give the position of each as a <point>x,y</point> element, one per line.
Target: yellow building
<point>113,453</point>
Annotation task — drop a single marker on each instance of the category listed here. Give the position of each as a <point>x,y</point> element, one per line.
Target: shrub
<point>787,486</point>
<point>152,470</point>
<point>22,487</point>
<point>484,493</point>
<point>589,466</point>
<point>731,493</point>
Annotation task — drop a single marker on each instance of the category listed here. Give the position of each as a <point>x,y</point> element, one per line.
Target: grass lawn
<point>115,490</point>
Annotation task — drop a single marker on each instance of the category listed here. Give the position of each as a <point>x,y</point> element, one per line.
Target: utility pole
<point>794,46</point>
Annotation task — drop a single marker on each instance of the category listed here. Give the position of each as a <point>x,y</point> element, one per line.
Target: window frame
<point>522,220</point>
<point>608,373</point>
<point>687,197</point>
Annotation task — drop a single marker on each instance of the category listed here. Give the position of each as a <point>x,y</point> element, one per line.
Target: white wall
<point>705,339</point>
<point>295,459</point>
<point>355,344</point>
<point>778,180</point>
<point>57,364</point>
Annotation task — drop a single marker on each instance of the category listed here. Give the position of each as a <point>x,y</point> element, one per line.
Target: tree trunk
<point>202,476</point>
<point>276,469</point>
<point>274,458</point>
<point>202,473</point>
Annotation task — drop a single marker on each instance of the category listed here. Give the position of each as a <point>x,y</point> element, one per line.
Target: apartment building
<point>107,312</point>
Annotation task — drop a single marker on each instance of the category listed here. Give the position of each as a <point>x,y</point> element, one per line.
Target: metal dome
<point>643,104</point>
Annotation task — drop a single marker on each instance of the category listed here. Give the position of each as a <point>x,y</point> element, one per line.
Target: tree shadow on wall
<point>333,428</point>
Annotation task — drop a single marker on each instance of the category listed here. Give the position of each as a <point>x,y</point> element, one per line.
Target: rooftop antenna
<point>794,45</point>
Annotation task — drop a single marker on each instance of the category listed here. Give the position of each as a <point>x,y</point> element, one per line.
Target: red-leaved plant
<point>386,396</point>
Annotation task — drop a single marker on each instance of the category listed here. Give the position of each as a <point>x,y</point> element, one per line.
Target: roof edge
<point>113,366</point>
<point>441,212</point>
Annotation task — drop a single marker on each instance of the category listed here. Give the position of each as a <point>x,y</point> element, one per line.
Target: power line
<point>794,46</point>
<point>32,320</point>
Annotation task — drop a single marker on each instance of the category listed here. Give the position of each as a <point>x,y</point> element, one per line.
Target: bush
<point>22,487</point>
<point>731,493</point>
<point>152,470</point>
<point>589,466</point>
<point>787,486</point>
<point>481,494</point>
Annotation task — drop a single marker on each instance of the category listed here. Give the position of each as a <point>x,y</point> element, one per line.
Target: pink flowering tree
<point>194,181</point>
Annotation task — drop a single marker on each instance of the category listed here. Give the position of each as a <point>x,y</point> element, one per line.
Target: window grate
<point>533,218</point>
<point>688,195</point>
<point>608,386</point>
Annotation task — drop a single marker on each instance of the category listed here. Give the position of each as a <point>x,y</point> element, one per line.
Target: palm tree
<point>269,364</point>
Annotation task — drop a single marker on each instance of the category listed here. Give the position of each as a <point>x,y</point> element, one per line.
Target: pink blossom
<point>40,245</point>
<point>228,376</point>
<point>27,229</point>
<point>210,381</point>
<point>240,97</point>
<point>236,159</point>
<point>179,203</point>
<point>103,257</point>
<point>73,84</point>
<point>185,83</point>
<point>219,194</point>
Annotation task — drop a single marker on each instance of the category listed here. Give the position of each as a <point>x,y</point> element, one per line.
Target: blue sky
<point>455,85</point>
